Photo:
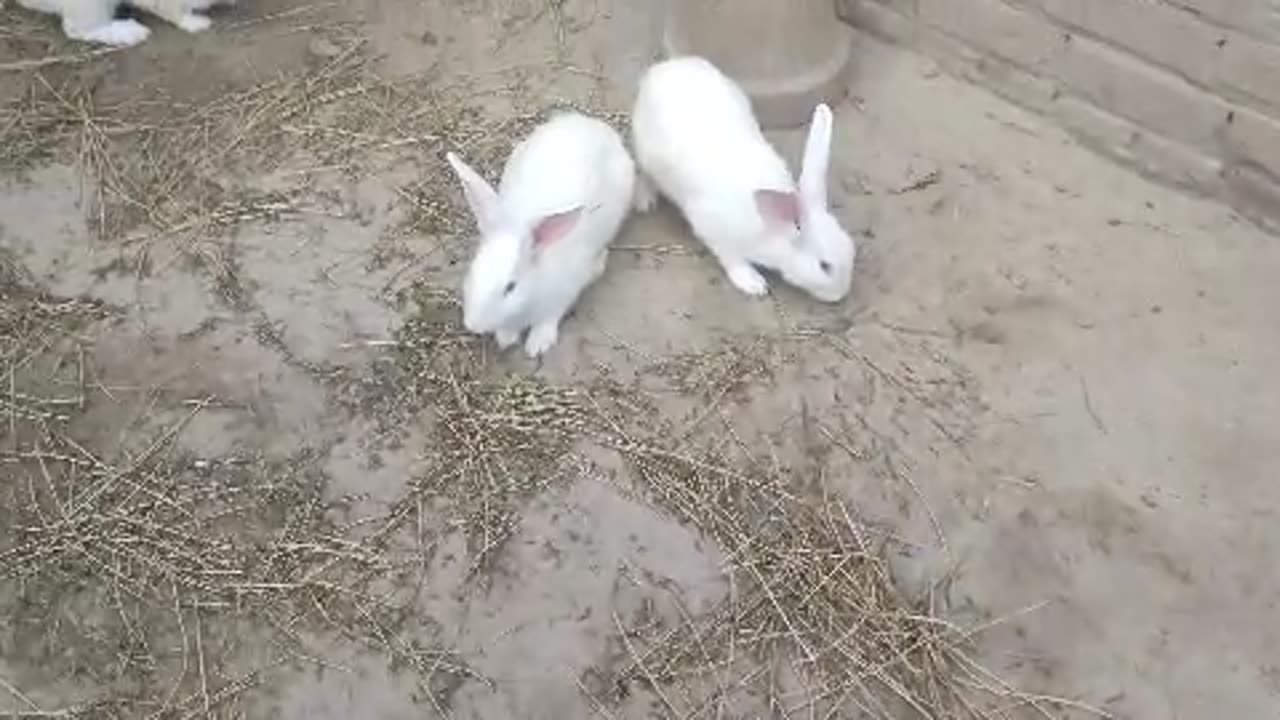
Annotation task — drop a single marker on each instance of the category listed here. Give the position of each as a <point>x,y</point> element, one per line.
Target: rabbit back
<point>695,134</point>
<point>571,160</point>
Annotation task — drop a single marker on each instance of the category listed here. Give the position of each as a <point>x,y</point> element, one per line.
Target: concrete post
<point>789,55</point>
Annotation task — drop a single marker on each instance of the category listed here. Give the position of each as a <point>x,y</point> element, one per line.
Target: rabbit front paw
<point>748,280</point>
<point>541,338</point>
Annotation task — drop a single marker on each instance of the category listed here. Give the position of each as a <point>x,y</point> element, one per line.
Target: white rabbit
<point>545,233</point>
<point>697,140</point>
<point>94,20</point>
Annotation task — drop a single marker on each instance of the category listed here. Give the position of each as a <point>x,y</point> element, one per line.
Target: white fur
<point>571,179</point>
<point>94,20</point>
<point>697,140</point>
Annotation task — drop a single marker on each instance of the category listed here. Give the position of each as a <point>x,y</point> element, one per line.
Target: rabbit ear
<point>554,227</point>
<point>481,197</point>
<point>817,158</point>
<point>778,207</point>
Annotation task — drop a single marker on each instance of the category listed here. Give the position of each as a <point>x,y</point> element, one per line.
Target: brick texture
<point>1187,91</point>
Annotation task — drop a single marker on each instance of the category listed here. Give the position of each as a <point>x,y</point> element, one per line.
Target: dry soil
<point>1050,385</point>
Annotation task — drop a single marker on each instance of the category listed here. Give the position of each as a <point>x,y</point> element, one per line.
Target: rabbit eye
<point>826,266</point>
<point>510,286</point>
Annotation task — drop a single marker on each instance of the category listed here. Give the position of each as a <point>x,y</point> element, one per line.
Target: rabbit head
<point>498,285</point>
<point>823,254</point>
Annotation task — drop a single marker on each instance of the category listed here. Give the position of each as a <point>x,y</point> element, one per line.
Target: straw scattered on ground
<point>168,167</point>
<point>494,442</point>
<point>812,591</point>
<point>129,580</point>
<point>132,578</point>
<point>812,599</point>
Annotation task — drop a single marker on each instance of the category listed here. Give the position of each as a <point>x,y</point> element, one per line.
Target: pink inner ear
<point>555,227</point>
<point>778,208</point>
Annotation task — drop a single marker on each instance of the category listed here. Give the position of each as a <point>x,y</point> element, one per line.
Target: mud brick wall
<point>1187,91</point>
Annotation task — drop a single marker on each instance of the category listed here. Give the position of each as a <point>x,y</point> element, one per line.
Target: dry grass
<point>168,167</point>
<point>494,441</point>
<point>133,580</point>
<point>41,347</point>
<point>110,563</point>
<point>136,576</point>
<point>163,165</point>
<point>812,595</point>
<point>812,600</point>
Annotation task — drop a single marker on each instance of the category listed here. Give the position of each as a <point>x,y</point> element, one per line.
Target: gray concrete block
<point>1145,83</point>
<point>1254,138</point>
<point>1255,193</point>
<point>1257,18</point>
<point>1141,93</point>
<point>1152,155</point>
<point>1217,59</point>
<point>1010,33</point>
<point>797,57</point>
<point>1111,79</point>
<point>889,20</point>
<point>1252,69</point>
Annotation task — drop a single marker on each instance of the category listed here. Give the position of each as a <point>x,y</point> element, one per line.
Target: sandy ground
<point>1050,380</point>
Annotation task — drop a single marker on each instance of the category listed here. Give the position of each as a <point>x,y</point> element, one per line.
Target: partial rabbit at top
<point>565,192</point>
<point>95,20</point>
<point>697,139</point>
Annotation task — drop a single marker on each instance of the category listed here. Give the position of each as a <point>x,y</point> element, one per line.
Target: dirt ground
<point>1048,392</point>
